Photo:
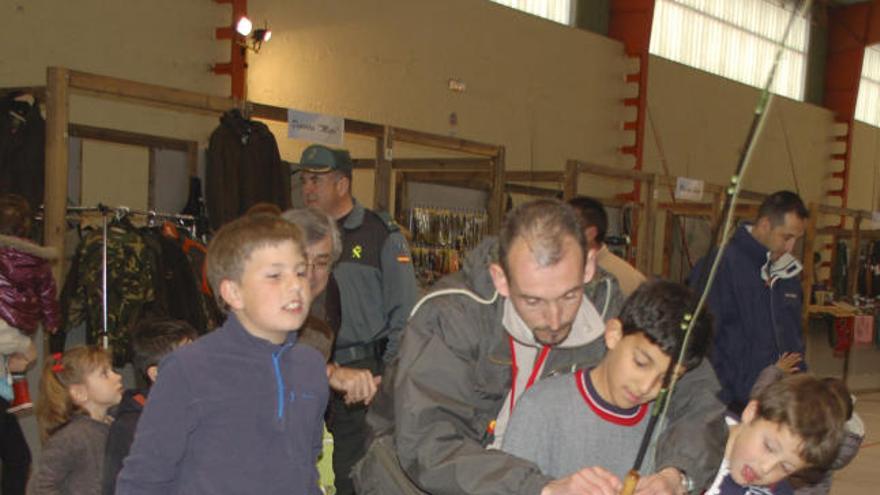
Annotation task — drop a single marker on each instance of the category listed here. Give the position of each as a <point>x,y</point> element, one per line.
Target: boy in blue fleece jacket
<point>241,409</point>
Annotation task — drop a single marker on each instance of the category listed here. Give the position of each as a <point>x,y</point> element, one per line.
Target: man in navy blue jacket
<point>756,297</point>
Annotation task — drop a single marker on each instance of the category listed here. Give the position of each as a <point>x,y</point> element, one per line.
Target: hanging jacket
<point>130,287</point>
<point>22,150</point>
<point>197,253</point>
<point>757,309</point>
<point>27,288</point>
<point>432,419</point>
<point>175,286</point>
<point>244,168</point>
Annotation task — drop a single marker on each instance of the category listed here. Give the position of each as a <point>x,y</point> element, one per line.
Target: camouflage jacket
<point>130,287</point>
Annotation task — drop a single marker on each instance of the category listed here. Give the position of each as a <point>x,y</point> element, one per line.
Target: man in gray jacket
<point>513,315</point>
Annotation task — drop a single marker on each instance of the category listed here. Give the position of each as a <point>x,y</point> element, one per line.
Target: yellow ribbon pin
<point>356,251</point>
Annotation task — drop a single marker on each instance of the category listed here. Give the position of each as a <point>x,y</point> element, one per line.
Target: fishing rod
<point>720,237</point>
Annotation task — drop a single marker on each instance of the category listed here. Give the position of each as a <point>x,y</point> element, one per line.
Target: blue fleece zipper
<point>279,380</point>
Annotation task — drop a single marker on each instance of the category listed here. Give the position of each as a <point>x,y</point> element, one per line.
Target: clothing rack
<point>119,212</point>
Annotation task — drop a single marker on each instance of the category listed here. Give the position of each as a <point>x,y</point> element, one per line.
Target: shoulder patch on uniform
<point>388,220</point>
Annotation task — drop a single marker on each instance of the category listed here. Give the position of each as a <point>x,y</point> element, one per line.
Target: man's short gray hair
<point>316,225</point>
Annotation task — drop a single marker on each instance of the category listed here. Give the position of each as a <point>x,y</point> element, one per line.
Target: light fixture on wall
<point>253,39</point>
<point>260,36</point>
<point>244,26</point>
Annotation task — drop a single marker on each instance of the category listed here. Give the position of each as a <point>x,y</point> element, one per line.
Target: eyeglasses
<point>319,266</point>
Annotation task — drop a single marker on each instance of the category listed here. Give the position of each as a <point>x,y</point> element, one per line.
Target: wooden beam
<point>55,195</point>
<point>125,137</point>
<point>469,180</point>
<point>809,269</point>
<point>570,186</point>
<point>382,177</point>
<point>429,164</point>
<point>752,195</point>
<point>497,195</point>
<point>836,210</point>
<point>541,192</point>
<point>150,94</point>
<point>192,159</point>
<point>183,100</point>
<point>534,176</point>
<point>668,233</point>
<point>646,251</point>
<point>613,172</point>
<point>443,142</point>
<point>191,101</point>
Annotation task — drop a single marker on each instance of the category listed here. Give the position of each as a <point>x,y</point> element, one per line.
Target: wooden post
<point>853,268</point>
<point>809,267</point>
<point>570,186</point>
<point>496,201</point>
<point>646,250</point>
<point>382,179</point>
<point>668,234</point>
<point>55,196</point>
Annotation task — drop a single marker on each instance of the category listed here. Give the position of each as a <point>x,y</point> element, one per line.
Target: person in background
<point>377,287</point>
<point>28,297</point>
<point>151,340</point>
<point>76,390</point>
<point>756,297</point>
<point>595,221</point>
<point>602,288</point>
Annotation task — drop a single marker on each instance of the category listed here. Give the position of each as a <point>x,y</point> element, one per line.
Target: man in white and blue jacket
<point>756,297</point>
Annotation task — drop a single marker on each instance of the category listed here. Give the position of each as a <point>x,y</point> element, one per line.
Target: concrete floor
<point>862,476</point>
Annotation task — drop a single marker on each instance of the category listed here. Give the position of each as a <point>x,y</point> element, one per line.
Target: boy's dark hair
<point>813,409</point>
<point>15,214</point>
<point>153,339</point>
<point>543,225</point>
<point>592,214</point>
<point>775,206</point>
<point>657,310</point>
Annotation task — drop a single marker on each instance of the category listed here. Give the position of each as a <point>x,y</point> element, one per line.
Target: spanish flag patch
<point>403,258</point>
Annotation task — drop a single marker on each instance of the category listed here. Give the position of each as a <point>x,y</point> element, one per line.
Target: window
<point>734,39</point>
<point>868,104</point>
<point>555,10</point>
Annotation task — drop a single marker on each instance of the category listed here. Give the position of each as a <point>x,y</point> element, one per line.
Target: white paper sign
<point>316,127</point>
<point>875,219</point>
<point>688,189</point>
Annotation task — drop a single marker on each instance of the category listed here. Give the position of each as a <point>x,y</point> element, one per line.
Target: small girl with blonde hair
<point>76,390</point>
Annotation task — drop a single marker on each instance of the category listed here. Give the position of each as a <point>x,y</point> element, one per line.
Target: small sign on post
<point>688,189</point>
<point>315,127</point>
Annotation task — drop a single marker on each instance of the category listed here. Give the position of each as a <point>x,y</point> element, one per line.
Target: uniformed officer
<point>377,288</point>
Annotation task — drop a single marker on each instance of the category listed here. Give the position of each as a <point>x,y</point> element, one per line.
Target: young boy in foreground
<point>597,417</point>
<point>241,409</point>
<point>790,425</point>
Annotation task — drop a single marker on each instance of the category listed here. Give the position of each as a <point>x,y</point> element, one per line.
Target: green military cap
<point>319,159</point>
